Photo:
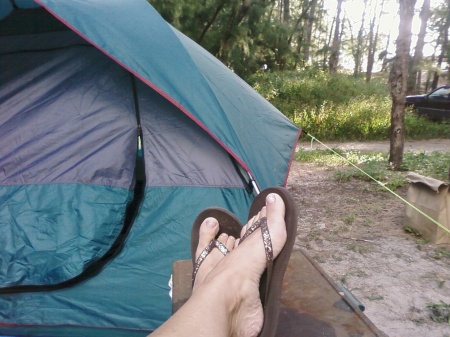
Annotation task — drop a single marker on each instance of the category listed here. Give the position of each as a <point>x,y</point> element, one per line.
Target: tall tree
<point>246,34</point>
<point>373,41</point>
<point>333,62</point>
<point>398,82</point>
<point>298,29</point>
<point>308,30</point>
<point>358,45</point>
<point>443,26</point>
<point>210,20</point>
<point>322,36</point>
<point>430,71</point>
<point>415,76</point>
<point>286,10</point>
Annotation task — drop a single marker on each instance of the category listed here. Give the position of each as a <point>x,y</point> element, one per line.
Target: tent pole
<point>254,184</point>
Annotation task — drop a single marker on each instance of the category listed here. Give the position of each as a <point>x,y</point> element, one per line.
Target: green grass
<point>375,164</point>
<point>439,312</point>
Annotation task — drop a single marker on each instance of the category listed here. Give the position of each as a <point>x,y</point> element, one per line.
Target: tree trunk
<point>398,83</point>
<point>413,81</point>
<point>447,47</point>
<point>286,10</point>
<point>326,48</point>
<point>370,51</point>
<point>359,44</point>
<point>443,31</point>
<point>211,21</point>
<point>235,19</point>
<point>309,29</point>
<point>373,44</point>
<point>429,72</point>
<point>334,57</point>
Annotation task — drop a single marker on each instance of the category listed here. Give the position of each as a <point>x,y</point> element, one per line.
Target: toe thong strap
<point>205,252</point>
<point>262,223</point>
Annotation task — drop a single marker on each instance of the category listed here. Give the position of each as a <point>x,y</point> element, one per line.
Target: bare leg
<point>226,302</point>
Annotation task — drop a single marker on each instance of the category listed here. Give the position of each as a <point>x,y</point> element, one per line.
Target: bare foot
<point>242,269</point>
<point>208,231</point>
<point>226,301</point>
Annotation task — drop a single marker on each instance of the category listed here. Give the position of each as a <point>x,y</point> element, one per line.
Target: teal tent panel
<point>69,331</point>
<point>137,37</point>
<point>48,231</point>
<point>132,291</point>
<point>267,136</point>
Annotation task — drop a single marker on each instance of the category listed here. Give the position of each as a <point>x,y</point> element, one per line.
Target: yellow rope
<point>381,184</point>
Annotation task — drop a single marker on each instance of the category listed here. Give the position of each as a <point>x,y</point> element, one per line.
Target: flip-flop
<point>272,278</point>
<point>228,223</point>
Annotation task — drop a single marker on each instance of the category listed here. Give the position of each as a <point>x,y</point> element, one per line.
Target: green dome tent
<point>116,130</point>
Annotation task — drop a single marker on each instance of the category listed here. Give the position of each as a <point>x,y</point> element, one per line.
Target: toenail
<point>211,223</point>
<point>270,198</point>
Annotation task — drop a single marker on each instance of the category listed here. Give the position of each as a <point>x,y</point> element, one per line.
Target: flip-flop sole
<point>272,298</point>
<point>228,223</point>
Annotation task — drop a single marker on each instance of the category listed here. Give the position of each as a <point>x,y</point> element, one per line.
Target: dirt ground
<point>356,233</point>
<point>410,145</point>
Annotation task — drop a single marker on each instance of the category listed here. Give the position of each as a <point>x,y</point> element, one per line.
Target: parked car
<point>434,106</point>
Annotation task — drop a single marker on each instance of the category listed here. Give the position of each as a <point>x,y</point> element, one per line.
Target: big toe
<point>208,231</point>
<point>275,213</point>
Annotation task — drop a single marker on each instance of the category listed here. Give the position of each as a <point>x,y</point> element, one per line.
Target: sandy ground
<point>356,233</point>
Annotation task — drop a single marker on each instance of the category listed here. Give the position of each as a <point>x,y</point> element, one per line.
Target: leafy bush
<point>421,128</point>
<point>357,120</point>
<point>339,107</point>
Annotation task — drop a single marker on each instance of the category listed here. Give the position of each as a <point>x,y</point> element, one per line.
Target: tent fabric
<point>45,252</point>
<point>222,104</point>
<point>132,292</point>
<point>44,85</point>
<point>53,173</point>
<point>165,129</point>
<point>70,105</point>
<point>88,193</point>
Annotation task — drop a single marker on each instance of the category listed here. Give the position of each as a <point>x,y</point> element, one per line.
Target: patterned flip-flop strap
<point>205,252</point>
<point>262,223</point>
